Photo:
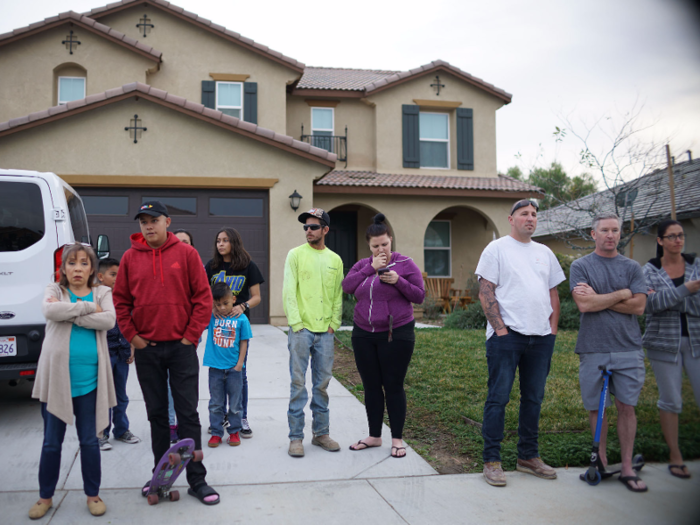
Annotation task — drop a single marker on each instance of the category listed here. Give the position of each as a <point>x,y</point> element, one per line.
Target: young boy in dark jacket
<point>163,305</point>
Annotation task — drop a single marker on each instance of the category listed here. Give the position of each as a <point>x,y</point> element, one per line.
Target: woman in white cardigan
<point>74,376</point>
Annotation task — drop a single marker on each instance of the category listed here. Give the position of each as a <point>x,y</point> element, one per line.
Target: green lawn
<point>446,383</point>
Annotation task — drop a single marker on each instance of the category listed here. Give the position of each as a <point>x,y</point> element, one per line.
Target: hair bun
<point>379,218</point>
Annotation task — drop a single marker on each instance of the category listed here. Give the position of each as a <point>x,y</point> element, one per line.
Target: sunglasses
<point>312,227</point>
<point>673,237</point>
<point>522,204</point>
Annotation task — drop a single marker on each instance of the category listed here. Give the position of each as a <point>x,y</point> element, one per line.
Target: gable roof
<point>163,98</point>
<point>82,21</point>
<point>202,23</point>
<point>370,82</point>
<point>345,181</point>
<point>652,201</point>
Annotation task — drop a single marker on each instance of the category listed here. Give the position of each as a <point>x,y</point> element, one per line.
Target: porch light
<point>295,200</point>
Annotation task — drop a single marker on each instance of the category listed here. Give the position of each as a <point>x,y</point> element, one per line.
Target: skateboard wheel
<point>174,495</point>
<point>152,499</point>
<point>197,455</point>
<point>174,458</point>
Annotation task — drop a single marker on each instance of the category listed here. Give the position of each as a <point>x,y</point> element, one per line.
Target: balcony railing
<point>334,143</point>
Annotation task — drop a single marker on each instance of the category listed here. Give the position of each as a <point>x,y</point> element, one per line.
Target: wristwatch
<point>246,306</point>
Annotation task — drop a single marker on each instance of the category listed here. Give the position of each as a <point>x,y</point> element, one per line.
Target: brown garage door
<point>111,212</point>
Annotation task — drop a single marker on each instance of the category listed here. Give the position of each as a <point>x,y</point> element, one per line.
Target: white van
<point>39,213</point>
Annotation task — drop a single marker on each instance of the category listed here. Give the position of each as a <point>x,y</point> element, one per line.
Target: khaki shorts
<point>625,383</point>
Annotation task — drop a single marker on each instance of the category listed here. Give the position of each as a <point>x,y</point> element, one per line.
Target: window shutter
<point>411,136</point>
<point>465,139</point>
<point>209,94</point>
<point>250,102</point>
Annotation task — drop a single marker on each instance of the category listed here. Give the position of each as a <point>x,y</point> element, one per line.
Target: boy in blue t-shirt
<point>227,344</point>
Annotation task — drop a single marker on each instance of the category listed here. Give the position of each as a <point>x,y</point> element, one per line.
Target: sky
<point>568,64</point>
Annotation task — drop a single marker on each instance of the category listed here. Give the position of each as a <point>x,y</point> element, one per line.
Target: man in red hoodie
<point>163,305</point>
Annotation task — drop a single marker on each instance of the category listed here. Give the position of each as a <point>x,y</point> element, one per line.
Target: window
<point>229,98</point>
<point>227,207</point>
<point>322,128</point>
<point>21,216</point>
<point>106,205</point>
<point>434,140</point>
<point>437,250</point>
<point>176,205</point>
<point>70,88</point>
<point>78,219</point>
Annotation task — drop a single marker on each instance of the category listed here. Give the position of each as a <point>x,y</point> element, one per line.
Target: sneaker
<point>226,423</point>
<point>536,467</point>
<point>326,443</point>
<point>234,439</point>
<point>209,430</point>
<point>494,475</point>
<point>214,441</point>
<point>246,431</point>
<point>128,437</point>
<point>174,438</point>
<point>296,448</point>
<point>105,444</point>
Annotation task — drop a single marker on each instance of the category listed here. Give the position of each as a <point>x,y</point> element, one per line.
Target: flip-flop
<point>146,488</point>
<point>202,492</point>
<point>366,446</point>
<point>625,480</point>
<point>684,475</point>
<point>397,451</point>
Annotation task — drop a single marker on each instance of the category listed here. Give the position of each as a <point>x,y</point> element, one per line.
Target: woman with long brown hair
<point>231,264</point>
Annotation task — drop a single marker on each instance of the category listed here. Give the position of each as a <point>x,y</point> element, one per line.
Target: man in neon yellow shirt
<point>313,304</point>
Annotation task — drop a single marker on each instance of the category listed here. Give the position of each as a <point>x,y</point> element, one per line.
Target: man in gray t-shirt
<point>610,291</point>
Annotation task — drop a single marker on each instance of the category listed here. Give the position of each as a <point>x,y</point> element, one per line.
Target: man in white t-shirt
<point>518,281</point>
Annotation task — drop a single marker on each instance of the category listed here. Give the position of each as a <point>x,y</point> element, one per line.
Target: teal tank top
<point>83,355</point>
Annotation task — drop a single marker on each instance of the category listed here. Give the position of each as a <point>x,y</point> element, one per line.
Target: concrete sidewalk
<point>259,483</point>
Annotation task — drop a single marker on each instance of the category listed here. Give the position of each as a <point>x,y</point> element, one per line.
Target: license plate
<point>8,346</point>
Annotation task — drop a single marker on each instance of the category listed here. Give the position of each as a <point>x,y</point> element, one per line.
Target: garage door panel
<point>198,220</point>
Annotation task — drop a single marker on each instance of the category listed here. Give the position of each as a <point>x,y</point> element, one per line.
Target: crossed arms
<point>620,301</point>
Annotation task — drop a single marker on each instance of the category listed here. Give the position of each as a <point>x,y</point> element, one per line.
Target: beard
<point>315,241</point>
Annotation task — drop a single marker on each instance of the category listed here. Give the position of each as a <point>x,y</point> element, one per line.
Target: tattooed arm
<point>487,296</point>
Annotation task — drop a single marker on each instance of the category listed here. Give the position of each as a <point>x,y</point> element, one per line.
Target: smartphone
<point>382,271</point>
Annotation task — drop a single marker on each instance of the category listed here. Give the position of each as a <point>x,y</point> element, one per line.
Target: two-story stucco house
<point>140,100</point>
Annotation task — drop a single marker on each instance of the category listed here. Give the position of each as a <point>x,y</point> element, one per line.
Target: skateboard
<point>596,471</point>
<point>170,466</point>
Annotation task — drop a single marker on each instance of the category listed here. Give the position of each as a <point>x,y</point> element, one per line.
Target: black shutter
<point>465,139</point>
<point>411,136</point>
<point>209,94</point>
<point>250,102</point>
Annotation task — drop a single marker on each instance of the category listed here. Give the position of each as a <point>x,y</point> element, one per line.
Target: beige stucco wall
<point>190,54</point>
<point>389,149</point>
<point>409,217</point>
<point>356,115</point>
<point>175,145</point>
<point>27,68</point>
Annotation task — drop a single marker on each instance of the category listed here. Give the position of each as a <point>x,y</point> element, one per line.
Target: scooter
<point>597,471</point>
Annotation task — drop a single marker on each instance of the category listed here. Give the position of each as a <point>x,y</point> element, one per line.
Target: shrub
<point>570,317</point>
<point>349,302</point>
<point>432,308</point>
<point>471,318</point>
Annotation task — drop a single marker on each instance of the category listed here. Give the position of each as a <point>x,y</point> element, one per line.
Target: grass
<point>446,389</point>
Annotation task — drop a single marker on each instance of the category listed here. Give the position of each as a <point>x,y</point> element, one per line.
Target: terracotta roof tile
<point>87,22</point>
<point>389,180</point>
<point>212,114</point>
<point>345,79</point>
<point>102,11</point>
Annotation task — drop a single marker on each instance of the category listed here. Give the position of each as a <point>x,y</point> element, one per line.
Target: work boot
<point>536,467</point>
<point>494,475</point>
<point>296,448</point>
<point>326,443</point>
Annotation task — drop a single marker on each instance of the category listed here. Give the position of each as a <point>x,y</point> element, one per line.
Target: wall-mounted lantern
<point>295,200</point>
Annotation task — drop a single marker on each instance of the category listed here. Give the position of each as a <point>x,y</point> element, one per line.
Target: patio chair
<point>438,288</point>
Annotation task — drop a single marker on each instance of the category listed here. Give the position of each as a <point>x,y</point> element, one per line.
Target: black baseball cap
<point>315,212</point>
<point>153,208</point>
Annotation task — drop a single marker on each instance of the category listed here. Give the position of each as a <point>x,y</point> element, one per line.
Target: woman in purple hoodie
<point>383,334</point>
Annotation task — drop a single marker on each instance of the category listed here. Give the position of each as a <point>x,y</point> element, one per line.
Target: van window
<point>21,216</point>
<point>78,219</point>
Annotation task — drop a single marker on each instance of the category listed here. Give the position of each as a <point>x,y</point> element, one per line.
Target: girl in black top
<point>232,265</point>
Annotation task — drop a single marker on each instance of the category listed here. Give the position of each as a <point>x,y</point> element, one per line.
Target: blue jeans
<point>532,355</point>
<point>225,384</point>
<point>55,431</point>
<point>319,346</point>
<point>172,420</point>
<point>117,415</point>
<point>244,399</point>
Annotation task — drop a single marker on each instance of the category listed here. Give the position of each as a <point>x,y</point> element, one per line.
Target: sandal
<point>625,480</point>
<point>397,452</point>
<point>146,488</point>
<point>684,475</point>
<point>365,446</point>
<point>203,492</point>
